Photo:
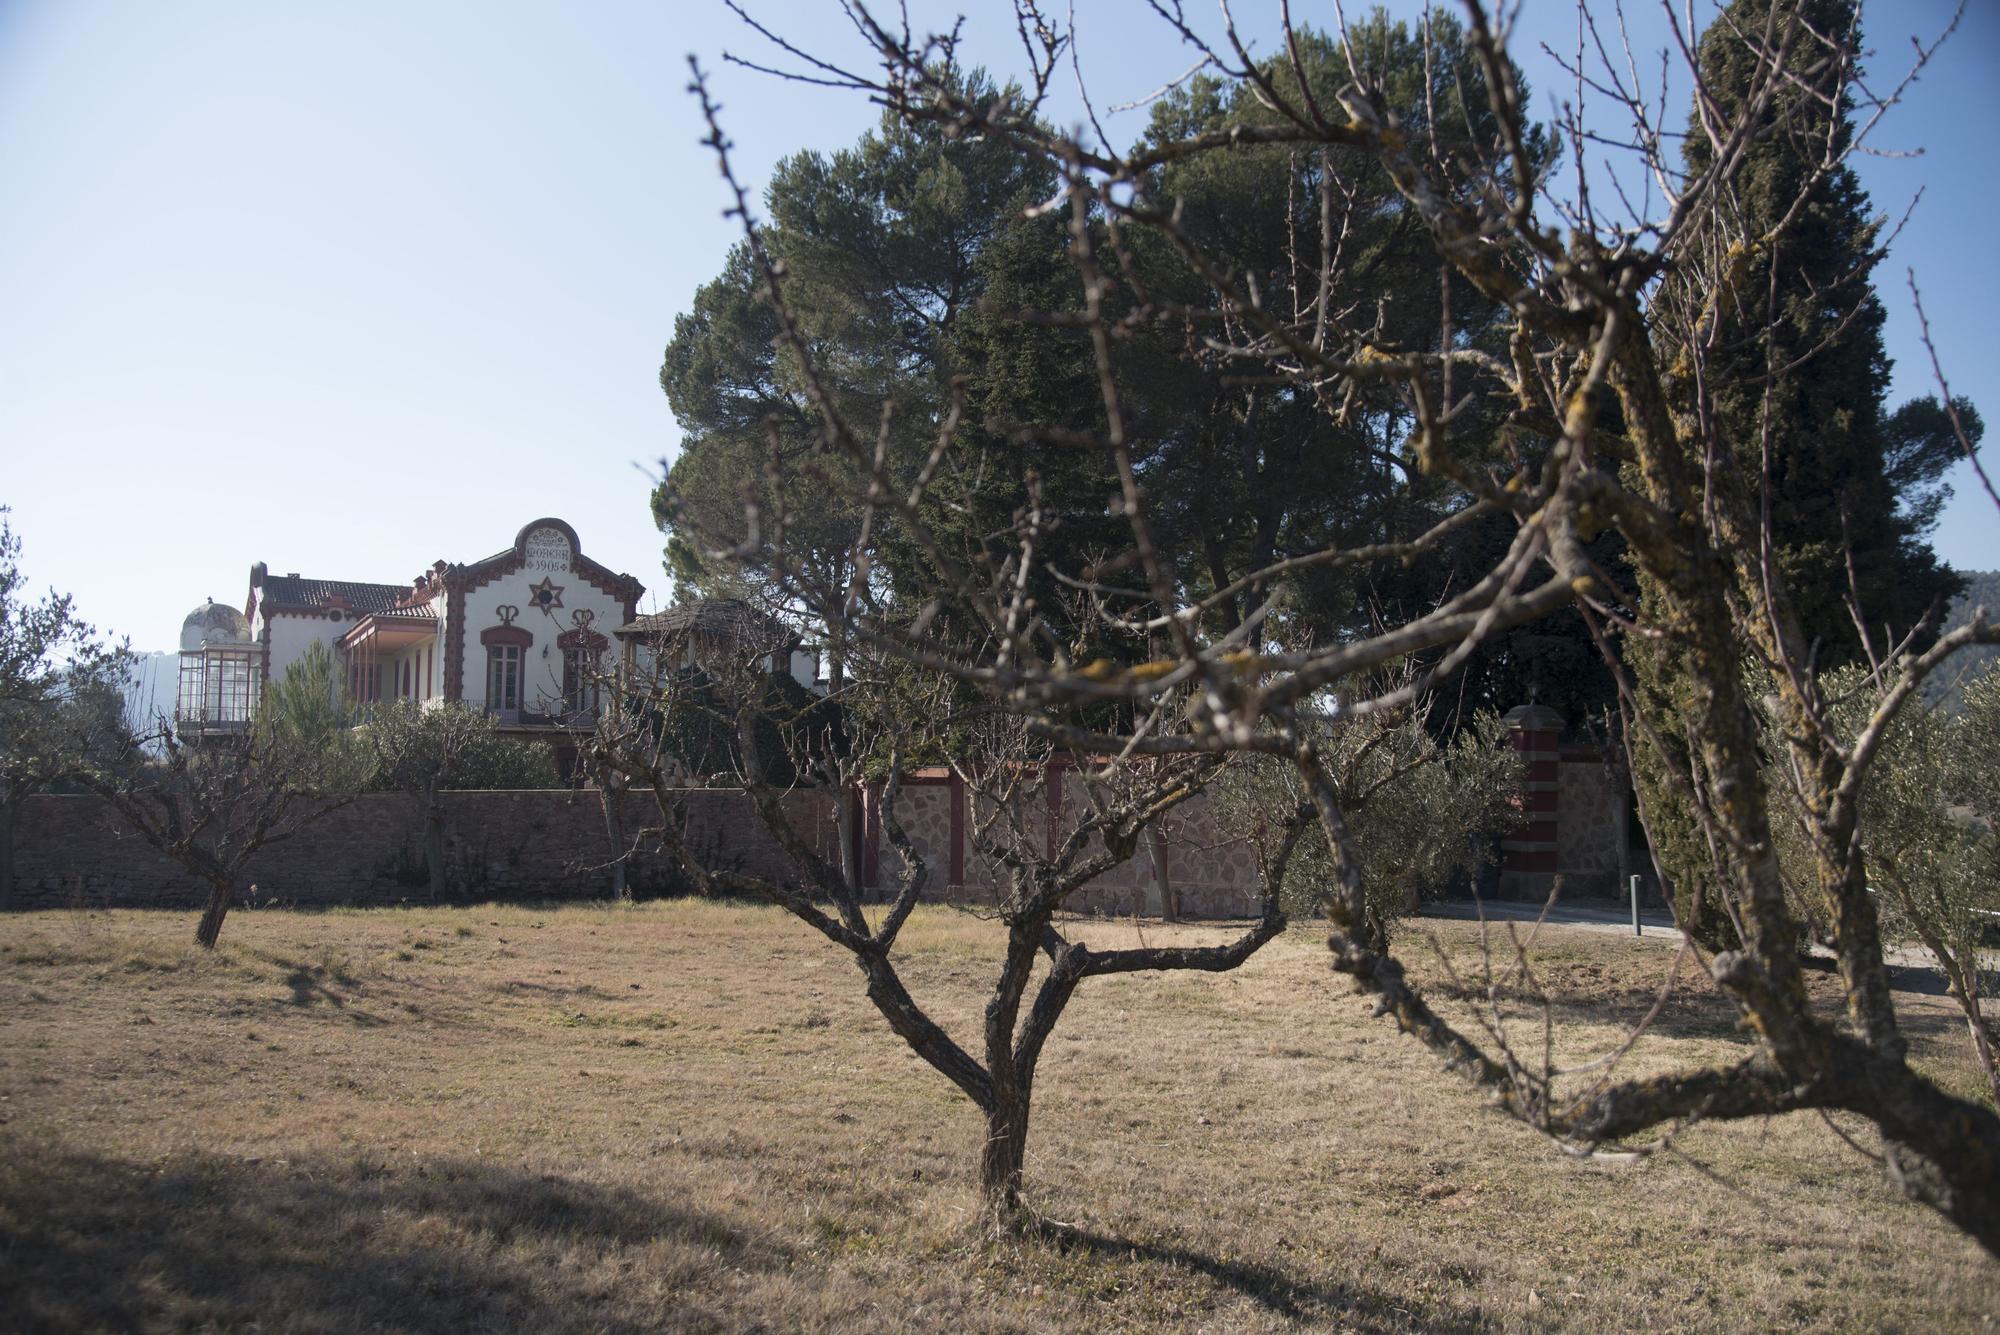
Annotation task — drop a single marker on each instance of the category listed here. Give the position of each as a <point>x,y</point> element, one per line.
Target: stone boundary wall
<point>1574,828</point>
<point>76,852</point>
<point>1591,837</point>
<point>1186,866</point>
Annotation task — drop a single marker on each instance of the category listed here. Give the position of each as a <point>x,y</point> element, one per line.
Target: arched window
<point>503,676</point>
<point>579,681</point>
<point>507,647</point>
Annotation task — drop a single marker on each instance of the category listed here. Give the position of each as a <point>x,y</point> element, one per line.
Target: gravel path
<point>1601,915</point>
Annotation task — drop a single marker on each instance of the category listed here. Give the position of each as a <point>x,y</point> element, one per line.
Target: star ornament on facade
<point>547,595</point>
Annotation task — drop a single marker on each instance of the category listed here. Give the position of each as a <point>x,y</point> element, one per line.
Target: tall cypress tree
<point>1791,392</point>
<point>1847,479</point>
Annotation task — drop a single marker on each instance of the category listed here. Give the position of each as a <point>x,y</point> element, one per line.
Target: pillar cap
<point>1533,718</point>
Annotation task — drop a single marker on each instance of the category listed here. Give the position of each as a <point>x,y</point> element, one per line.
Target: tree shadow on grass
<point>308,984</point>
<point>313,983</point>
<point>1288,1296</point>
<point>97,1243</point>
<point>1694,1012</point>
<point>323,1243</point>
<point>1924,980</point>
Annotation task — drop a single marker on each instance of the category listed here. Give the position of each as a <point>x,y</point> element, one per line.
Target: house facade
<point>521,634</point>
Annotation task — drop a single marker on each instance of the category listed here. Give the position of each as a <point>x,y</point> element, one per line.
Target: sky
<point>352,287</point>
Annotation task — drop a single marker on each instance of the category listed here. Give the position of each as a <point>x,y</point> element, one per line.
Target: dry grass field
<point>686,1116</point>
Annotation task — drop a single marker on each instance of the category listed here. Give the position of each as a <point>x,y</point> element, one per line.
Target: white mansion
<point>520,634</point>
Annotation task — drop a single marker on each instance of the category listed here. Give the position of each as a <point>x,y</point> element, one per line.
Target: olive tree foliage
<point>58,685</point>
<point>43,642</point>
<point>1628,309</point>
<point>211,802</point>
<point>425,750</point>
<point>1930,826</point>
<point>1423,813</point>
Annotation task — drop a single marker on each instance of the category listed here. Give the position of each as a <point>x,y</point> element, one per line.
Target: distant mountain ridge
<point>151,690</point>
<point>1982,589</point>
<point>1981,586</point>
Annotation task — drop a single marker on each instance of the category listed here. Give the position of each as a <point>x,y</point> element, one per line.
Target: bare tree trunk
<point>614,825</point>
<point>850,866</point>
<point>434,840</point>
<point>7,810</point>
<point>221,895</point>
<point>850,869</point>
<point>1982,1042</point>
<point>1011,1073</point>
<point>1170,904</point>
<point>1963,974</point>
<point>1001,1158</point>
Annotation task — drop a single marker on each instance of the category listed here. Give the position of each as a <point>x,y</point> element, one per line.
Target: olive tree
<point>1930,835</point>
<point>211,803</point>
<point>1423,813</point>
<point>59,693</point>
<point>1041,829</point>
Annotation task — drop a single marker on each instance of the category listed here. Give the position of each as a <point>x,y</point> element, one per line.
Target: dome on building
<point>213,623</point>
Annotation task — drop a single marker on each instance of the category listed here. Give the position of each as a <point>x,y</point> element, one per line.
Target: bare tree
<point>210,806</point>
<point>1624,290</point>
<point>1042,828</point>
<point>211,803</point>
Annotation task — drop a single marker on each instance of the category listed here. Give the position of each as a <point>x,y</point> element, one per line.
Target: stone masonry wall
<point>1186,860</point>
<point>1591,798</point>
<point>1572,829</point>
<point>76,852</point>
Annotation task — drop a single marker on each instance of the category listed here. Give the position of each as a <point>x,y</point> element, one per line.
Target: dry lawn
<point>686,1116</point>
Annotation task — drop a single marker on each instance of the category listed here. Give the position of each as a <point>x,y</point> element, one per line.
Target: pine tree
<point>883,250</point>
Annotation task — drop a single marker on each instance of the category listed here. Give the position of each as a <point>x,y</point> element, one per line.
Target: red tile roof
<point>322,594</point>
<point>725,618</point>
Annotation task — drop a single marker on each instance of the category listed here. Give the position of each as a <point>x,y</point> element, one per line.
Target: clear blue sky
<point>349,287</point>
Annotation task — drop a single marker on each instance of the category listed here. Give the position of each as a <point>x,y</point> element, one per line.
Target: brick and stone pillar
<point>1528,851</point>
<point>957,789</point>
<point>868,836</point>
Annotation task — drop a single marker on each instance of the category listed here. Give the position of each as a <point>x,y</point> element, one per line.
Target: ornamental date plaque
<point>548,550</point>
